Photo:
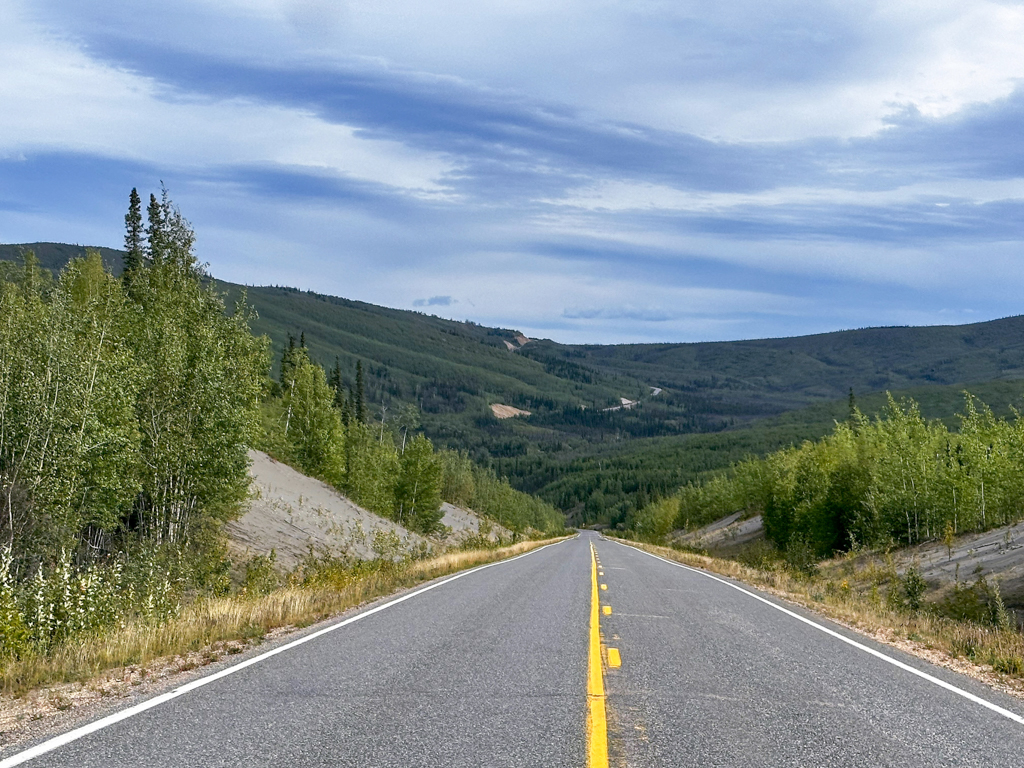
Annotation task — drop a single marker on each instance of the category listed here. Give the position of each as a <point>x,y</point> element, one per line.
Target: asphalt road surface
<point>491,669</point>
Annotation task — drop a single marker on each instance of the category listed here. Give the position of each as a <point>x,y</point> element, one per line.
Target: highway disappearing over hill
<point>583,652</point>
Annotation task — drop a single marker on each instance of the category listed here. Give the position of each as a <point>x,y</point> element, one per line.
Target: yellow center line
<point>614,659</point>
<point>597,718</point>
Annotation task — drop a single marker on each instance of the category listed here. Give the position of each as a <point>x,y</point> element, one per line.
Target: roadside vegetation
<point>836,510</point>
<point>718,401</point>
<point>267,601</point>
<point>895,480</point>
<point>128,405</point>
<point>312,422</point>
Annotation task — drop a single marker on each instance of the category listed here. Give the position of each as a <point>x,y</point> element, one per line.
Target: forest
<point>895,480</point>
<point>128,406</point>
<point>719,401</point>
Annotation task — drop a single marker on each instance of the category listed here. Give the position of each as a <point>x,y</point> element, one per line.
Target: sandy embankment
<point>290,511</point>
<point>464,523</point>
<point>998,555</point>
<point>507,411</point>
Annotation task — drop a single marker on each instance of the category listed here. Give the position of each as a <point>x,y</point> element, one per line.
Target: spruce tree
<point>288,363</point>
<point>360,398</point>
<point>155,228</point>
<point>334,380</point>
<point>133,236</point>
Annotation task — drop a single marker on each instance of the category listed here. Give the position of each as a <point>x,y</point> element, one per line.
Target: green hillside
<point>607,480</point>
<point>719,400</point>
<point>779,374</point>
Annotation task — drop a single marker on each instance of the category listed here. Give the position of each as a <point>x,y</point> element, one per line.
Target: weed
<point>914,586</point>
<point>1009,665</point>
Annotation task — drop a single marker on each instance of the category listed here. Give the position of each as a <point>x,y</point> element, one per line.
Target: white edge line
<point>859,646</point>
<point>66,738</point>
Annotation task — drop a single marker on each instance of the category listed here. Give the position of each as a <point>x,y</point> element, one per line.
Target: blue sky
<point>595,171</point>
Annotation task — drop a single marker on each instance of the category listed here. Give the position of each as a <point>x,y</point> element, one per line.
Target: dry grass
<point>847,591</point>
<point>211,627</point>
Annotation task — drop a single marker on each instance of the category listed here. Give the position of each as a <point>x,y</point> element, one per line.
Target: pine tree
<point>288,363</point>
<point>360,398</point>
<point>155,234</point>
<point>349,412</point>
<point>133,236</point>
<point>334,380</point>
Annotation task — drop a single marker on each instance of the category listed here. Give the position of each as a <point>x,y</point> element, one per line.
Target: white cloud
<point>620,196</point>
<point>56,98</point>
<point>737,69</point>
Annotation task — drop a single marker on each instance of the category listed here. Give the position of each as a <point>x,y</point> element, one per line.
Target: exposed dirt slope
<point>998,555</point>
<point>722,537</point>
<point>507,411</point>
<point>464,523</point>
<point>290,512</point>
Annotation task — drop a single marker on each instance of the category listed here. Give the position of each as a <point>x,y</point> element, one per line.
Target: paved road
<point>712,677</point>
<point>491,670</point>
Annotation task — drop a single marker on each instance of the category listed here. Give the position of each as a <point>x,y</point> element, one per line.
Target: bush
<point>261,575</point>
<point>914,587</point>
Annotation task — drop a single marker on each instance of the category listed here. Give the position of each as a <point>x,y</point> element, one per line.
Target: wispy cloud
<point>435,301</point>
<point>621,171</point>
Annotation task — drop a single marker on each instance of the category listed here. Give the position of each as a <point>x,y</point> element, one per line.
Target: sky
<point>591,172</point>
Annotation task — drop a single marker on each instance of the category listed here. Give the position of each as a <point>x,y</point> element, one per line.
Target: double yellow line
<point>597,716</point>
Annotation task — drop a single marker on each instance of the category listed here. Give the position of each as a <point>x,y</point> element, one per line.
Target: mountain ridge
<point>454,371</point>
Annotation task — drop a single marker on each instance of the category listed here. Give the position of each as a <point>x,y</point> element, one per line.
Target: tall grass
<point>326,589</point>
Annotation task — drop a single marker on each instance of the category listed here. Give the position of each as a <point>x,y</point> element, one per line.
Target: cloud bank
<point>643,171</point>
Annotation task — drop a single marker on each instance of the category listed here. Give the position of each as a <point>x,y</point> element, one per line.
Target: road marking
<point>614,659</point>
<point>604,586</point>
<point>859,646</point>
<point>66,738</point>
<point>607,610</point>
<point>597,716</point>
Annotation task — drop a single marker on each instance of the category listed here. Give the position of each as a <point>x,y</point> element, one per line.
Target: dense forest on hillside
<point>718,401</point>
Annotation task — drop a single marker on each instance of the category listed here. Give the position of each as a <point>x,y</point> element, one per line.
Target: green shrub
<point>261,576</point>
<point>914,587</point>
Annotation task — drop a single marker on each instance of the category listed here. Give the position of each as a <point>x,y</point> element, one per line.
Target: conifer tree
<point>133,236</point>
<point>360,396</point>
<point>288,363</point>
<point>155,229</point>
<point>334,380</point>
